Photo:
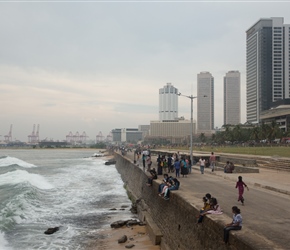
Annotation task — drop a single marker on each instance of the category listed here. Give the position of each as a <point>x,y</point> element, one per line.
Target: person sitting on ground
<point>232,167</point>
<point>152,177</point>
<point>227,167</point>
<point>236,224</point>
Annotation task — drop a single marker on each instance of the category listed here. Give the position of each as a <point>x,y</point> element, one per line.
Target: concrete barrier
<point>173,223</point>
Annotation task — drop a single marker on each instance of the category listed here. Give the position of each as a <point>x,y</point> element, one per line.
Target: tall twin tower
<point>168,101</point>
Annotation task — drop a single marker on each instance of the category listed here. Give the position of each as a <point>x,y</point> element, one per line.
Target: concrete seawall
<point>173,223</point>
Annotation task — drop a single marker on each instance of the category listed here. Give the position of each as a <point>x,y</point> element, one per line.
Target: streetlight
<point>191,97</point>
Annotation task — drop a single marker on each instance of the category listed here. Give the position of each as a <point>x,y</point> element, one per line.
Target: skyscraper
<point>168,103</point>
<point>232,98</point>
<point>268,68</point>
<point>205,102</point>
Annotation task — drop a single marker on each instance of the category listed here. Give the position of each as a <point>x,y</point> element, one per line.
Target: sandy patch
<point>136,235</point>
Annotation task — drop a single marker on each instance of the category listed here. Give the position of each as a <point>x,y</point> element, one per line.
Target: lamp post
<point>191,97</point>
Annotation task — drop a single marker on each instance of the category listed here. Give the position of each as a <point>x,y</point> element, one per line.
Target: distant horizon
<point>96,66</point>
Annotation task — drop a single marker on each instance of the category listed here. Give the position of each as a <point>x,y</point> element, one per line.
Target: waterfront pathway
<point>266,209</point>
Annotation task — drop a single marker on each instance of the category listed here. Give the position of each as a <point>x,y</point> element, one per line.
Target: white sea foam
<point>20,176</point>
<point>8,161</point>
<point>3,242</point>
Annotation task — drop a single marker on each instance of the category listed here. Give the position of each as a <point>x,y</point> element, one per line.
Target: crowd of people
<point>182,166</point>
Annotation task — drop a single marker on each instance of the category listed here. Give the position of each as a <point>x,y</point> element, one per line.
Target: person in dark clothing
<point>169,163</point>
<point>152,177</point>
<point>159,165</point>
<point>165,180</point>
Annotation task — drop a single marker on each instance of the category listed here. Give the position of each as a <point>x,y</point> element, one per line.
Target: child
<point>240,185</point>
<point>214,208</point>
<point>236,224</point>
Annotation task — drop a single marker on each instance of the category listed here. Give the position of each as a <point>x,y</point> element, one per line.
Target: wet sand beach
<point>136,235</point>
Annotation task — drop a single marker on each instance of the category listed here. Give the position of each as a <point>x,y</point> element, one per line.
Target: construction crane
<point>99,137</point>
<point>69,137</point>
<point>8,138</point>
<point>34,136</point>
<point>110,137</point>
<point>83,137</point>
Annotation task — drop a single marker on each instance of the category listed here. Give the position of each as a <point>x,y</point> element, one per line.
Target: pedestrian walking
<point>201,165</point>
<point>240,185</point>
<point>212,160</point>
<point>177,168</point>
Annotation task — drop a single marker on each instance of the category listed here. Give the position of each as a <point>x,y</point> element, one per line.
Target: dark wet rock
<point>142,223</point>
<point>132,223</point>
<point>51,230</point>
<point>124,206</point>
<point>123,239</point>
<point>130,246</point>
<point>113,208</point>
<point>118,224</point>
<point>133,209</point>
<point>128,223</point>
<point>122,209</point>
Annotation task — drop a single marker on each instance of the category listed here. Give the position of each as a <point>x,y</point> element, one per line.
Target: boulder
<point>123,239</point>
<point>130,246</point>
<point>118,224</point>
<point>51,230</point>
<point>132,223</point>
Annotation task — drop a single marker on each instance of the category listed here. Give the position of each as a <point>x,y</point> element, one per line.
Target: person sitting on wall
<point>206,206</point>
<point>174,185</point>
<point>165,187</point>
<point>164,181</point>
<point>152,177</point>
<point>236,224</point>
<point>214,209</point>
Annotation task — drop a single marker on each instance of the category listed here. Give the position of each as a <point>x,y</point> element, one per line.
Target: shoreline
<point>136,235</point>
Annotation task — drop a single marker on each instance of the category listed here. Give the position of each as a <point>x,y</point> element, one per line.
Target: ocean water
<point>69,189</point>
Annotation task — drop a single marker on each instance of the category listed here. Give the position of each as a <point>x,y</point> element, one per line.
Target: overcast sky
<point>98,65</point>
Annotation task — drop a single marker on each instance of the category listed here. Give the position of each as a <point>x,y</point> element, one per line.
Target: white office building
<point>205,103</point>
<point>268,55</point>
<point>232,98</point>
<point>168,103</point>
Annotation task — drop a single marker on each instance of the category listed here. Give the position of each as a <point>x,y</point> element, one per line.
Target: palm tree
<point>255,133</point>
<point>202,137</point>
<point>273,131</point>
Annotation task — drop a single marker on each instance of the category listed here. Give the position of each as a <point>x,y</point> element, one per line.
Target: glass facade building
<point>168,103</point>
<point>205,103</point>
<point>232,98</point>
<point>267,65</point>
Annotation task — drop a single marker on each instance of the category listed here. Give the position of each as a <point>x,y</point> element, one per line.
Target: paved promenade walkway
<point>278,181</point>
<point>266,209</point>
